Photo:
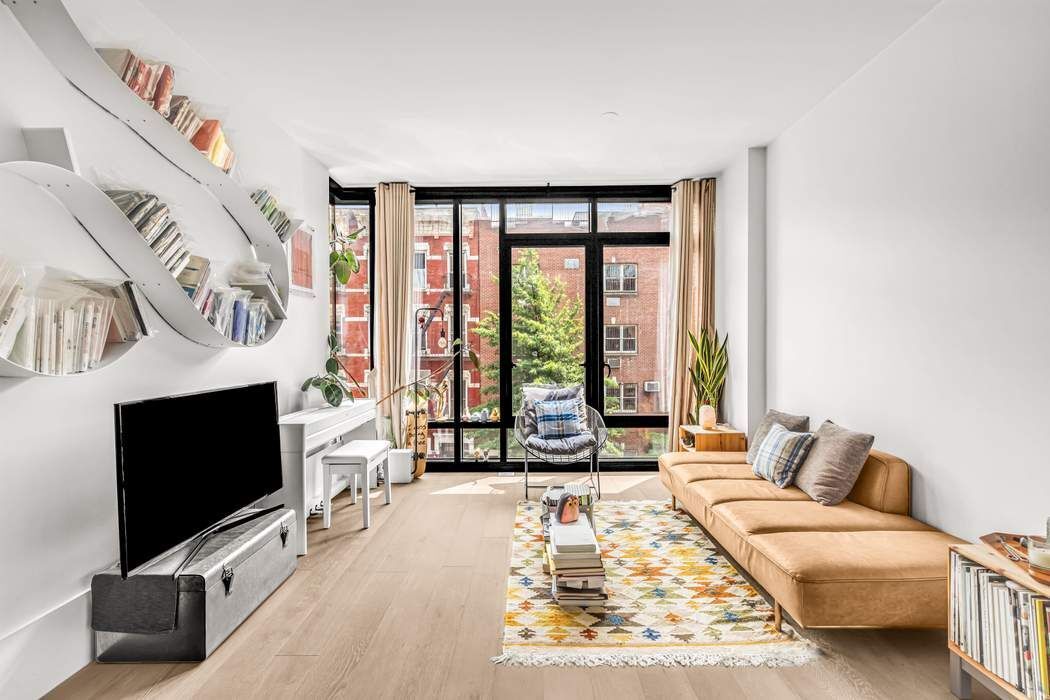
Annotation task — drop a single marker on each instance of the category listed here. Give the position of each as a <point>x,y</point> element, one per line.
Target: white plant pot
<point>400,463</point>
<point>708,417</point>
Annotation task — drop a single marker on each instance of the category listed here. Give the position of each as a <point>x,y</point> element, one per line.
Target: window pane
<point>432,306</point>
<point>547,318</point>
<point>635,443</point>
<point>481,445</point>
<point>638,322</point>
<point>441,443</point>
<point>548,217</point>
<point>351,322</point>
<point>634,216</point>
<point>479,224</point>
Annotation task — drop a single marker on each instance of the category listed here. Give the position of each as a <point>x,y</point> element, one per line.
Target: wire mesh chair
<point>595,426</point>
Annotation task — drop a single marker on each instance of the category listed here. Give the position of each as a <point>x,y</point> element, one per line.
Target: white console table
<point>306,437</point>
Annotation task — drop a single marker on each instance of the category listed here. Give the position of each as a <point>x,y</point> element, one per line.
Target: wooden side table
<point>721,438</point>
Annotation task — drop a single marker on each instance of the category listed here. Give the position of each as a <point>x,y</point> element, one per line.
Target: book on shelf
<point>183,116</point>
<point>153,220</point>
<point>57,326</point>
<point>270,208</point>
<point>1001,625</point>
<point>128,321</point>
<point>150,80</point>
<point>154,82</point>
<point>12,306</point>
<point>255,277</point>
<point>194,279</point>
<point>211,141</point>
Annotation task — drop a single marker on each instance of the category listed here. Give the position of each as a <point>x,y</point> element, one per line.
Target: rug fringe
<point>802,654</point>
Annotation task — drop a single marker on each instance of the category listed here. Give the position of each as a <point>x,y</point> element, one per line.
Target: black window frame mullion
<point>457,318</point>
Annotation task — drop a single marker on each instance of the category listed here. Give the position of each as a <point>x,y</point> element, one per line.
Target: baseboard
<point>50,649</point>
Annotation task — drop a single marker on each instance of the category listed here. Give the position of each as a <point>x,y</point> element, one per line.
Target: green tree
<point>547,333</point>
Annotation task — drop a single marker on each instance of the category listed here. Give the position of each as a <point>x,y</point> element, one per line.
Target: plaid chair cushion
<point>557,419</point>
<point>781,454</point>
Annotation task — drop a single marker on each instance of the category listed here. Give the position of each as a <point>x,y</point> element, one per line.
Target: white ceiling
<point>471,92</point>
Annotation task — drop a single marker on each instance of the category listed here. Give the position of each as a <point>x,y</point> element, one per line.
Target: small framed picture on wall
<point>301,258</point>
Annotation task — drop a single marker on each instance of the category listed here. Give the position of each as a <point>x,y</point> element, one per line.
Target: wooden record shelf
<point>53,30</point>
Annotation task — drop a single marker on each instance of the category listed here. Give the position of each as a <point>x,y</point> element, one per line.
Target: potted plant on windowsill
<point>410,446</point>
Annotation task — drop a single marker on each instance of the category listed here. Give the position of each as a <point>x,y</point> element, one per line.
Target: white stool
<point>357,458</point>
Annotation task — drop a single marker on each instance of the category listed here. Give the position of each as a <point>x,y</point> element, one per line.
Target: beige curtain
<point>393,247</point>
<point>692,287</point>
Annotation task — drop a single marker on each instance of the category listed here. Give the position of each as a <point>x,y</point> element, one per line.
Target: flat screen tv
<point>185,463</point>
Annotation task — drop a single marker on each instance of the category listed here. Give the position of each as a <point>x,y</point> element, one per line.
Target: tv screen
<point>184,463</point>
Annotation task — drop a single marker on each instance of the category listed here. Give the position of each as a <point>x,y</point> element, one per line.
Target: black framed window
<point>621,339</point>
<point>611,242</point>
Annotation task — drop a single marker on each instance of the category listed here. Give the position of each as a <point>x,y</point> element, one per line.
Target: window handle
<point>608,369</point>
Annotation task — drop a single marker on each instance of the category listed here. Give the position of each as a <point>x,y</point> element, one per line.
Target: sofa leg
<point>778,617</point>
<point>674,504</point>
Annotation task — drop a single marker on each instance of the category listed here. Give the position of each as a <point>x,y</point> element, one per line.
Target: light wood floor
<point>413,608</point>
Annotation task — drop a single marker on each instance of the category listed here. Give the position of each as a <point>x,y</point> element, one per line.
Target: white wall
<point>909,249</point>
<point>57,502</point>
<point>740,284</point>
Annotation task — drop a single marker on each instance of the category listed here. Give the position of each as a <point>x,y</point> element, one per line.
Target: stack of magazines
<point>56,326</point>
<point>271,209</point>
<point>151,81</point>
<point>154,82</point>
<point>1001,625</point>
<point>255,277</point>
<point>571,553</point>
<point>152,218</point>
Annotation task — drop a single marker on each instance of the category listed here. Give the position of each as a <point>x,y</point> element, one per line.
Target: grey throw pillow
<point>796,424</point>
<point>834,463</point>
<point>531,393</point>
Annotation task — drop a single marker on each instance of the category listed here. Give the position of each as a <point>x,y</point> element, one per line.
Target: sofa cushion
<point>699,497</point>
<point>759,517</point>
<point>716,491</point>
<point>791,422</point>
<point>688,473</point>
<point>781,454</point>
<point>855,579</point>
<point>884,484</point>
<point>670,459</point>
<point>834,463</point>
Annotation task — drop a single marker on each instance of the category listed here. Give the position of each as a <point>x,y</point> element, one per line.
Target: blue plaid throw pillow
<point>557,419</point>
<point>781,455</point>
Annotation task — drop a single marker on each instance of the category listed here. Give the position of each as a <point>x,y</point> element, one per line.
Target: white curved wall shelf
<point>49,24</point>
<point>109,227</point>
<point>112,353</point>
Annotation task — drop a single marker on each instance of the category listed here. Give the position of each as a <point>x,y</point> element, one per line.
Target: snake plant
<point>708,370</point>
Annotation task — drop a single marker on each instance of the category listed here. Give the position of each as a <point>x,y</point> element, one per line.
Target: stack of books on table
<point>575,563</point>
<point>1001,625</point>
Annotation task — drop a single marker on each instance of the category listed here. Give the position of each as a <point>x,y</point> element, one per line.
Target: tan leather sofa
<point>862,563</point>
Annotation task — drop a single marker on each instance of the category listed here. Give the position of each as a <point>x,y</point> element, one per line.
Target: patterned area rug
<point>673,600</point>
